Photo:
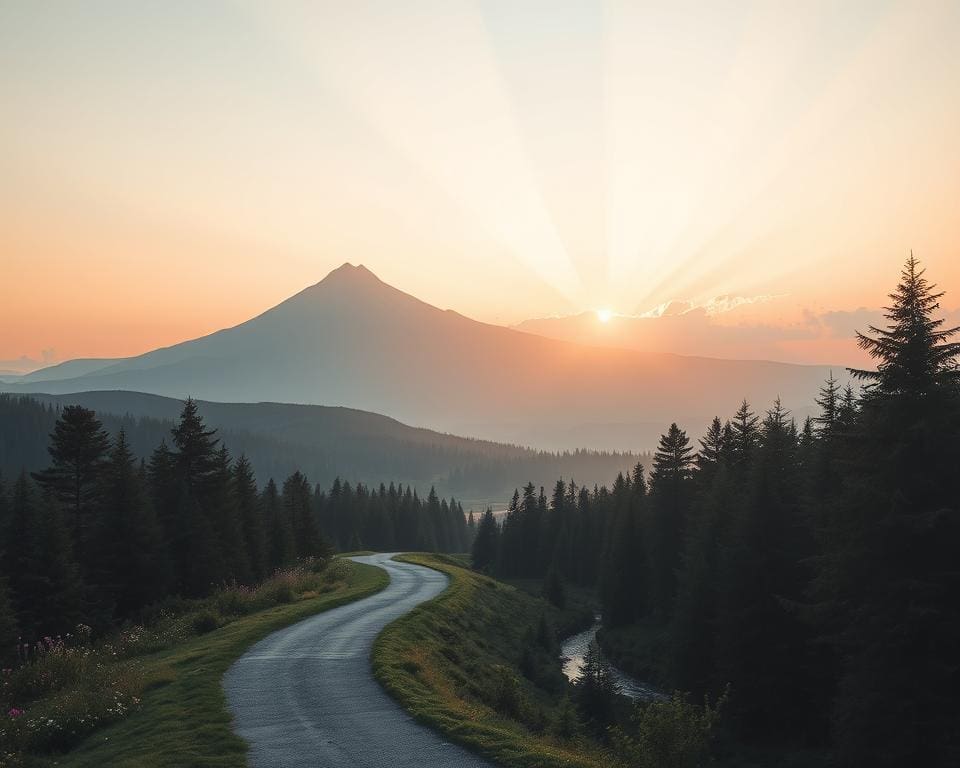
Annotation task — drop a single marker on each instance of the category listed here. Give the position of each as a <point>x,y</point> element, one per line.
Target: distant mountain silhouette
<point>355,341</point>
<point>323,442</point>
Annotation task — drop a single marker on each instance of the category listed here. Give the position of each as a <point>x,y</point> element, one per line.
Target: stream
<point>573,650</point>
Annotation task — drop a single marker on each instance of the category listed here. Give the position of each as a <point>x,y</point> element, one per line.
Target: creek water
<point>574,649</point>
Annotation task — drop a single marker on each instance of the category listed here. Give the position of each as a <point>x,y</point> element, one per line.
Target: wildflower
<point>14,713</point>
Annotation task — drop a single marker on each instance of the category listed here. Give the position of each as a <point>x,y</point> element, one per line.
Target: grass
<point>183,718</point>
<point>452,663</point>
<point>577,614</point>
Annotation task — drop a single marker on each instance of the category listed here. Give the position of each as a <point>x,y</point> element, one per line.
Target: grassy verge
<point>453,664</point>
<point>578,611</point>
<point>182,718</point>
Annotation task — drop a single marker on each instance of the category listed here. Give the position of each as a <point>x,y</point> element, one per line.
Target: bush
<point>670,733</point>
<point>61,692</point>
<point>205,621</point>
<point>281,592</point>
<point>505,696</point>
<point>236,600</point>
<point>566,724</point>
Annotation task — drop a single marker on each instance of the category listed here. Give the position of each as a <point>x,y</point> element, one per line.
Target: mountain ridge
<point>353,340</point>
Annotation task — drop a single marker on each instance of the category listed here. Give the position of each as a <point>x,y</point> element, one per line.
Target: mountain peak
<point>348,271</point>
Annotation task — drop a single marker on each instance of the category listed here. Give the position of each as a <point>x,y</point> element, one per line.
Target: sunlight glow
<point>506,160</point>
<point>427,79</point>
<point>604,315</point>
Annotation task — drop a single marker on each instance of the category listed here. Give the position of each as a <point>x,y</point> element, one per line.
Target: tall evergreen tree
<point>711,452</point>
<point>745,435</point>
<point>196,449</point>
<point>887,580</point>
<point>760,640</point>
<point>829,402</point>
<point>21,564</point>
<point>195,550</point>
<point>251,517</point>
<point>914,353</point>
<point>485,544</point>
<point>41,571</point>
<point>221,500</point>
<point>281,550</point>
<point>131,566</point>
<point>297,499</point>
<point>670,491</point>
<point>78,449</point>
<point>9,631</point>
<point>625,577</point>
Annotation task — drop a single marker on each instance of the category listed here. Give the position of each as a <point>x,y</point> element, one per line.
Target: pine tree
<point>164,487</point>
<point>670,491</point>
<point>914,354</point>
<point>297,499</point>
<point>221,501</point>
<point>281,551</point>
<point>485,544</point>
<point>195,449</point>
<point>251,517</point>
<point>745,434</point>
<point>78,449</point>
<point>131,566</point>
<point>829,402</point>
<point>711,452</point>
<point>888,596</point>
<point>189,490</point>
<point>510,552</point>
<point>4,512</point>
<point>42,574</point>
<point>596,691</point>
<point>21,563</point>
<point>471,531</point>
<point>760,640</point>
<point>624,583</point>
<point>554,589</point>
<point>9,631</point>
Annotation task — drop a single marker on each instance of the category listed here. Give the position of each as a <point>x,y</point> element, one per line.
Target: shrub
<point>236,600</point>
<point>205,621</point>
<point>565,725</point>
<point>670,733</point>
<point>280,592</point>
<point>62,692</point>
<point>505,696</point>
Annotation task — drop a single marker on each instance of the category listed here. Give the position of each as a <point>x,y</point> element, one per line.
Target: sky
<point>171,168</point>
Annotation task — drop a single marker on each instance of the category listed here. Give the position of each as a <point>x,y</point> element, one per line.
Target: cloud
<point>725,327</point>
<point>716,305</point>
<point>25,364</point>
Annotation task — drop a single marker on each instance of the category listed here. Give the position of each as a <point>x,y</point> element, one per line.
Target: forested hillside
<point>98,535</point>
<point>812,568</point>
<point>322,442</point>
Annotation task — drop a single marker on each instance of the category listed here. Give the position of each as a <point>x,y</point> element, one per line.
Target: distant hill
<point>68,370</point>
<point>324,442</point>
<point>354,341</point>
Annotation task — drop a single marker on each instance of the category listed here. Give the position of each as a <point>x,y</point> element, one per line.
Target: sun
<point>604,315</point>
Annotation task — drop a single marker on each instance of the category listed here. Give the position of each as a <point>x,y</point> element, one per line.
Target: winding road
<point>306,696</point>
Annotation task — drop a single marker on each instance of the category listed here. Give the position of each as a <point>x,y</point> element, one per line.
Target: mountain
<point>352,340</point>
<point>68,370</point>
<point>323,442</point>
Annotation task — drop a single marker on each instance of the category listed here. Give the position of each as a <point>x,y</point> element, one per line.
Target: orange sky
<point>167,171</point>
